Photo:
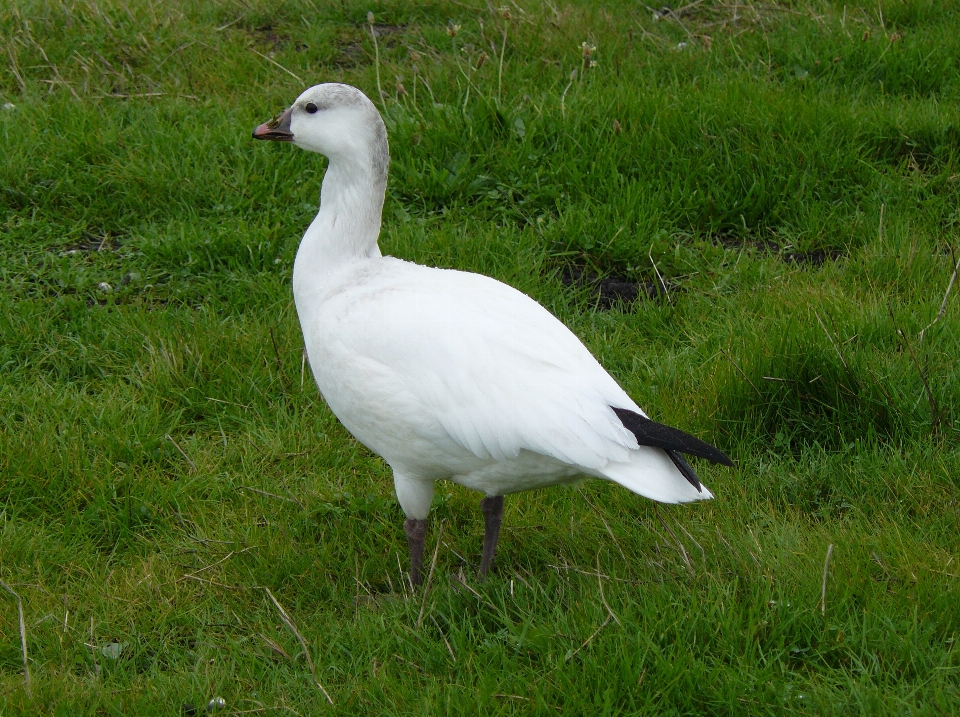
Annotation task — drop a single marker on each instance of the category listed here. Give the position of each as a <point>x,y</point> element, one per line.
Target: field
<point>750,212</point>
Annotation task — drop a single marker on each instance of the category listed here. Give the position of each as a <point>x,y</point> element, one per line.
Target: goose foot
<point>416,531</point>
<point>492,508</point>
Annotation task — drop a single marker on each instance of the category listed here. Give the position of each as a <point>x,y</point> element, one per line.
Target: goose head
<point>335,120</point>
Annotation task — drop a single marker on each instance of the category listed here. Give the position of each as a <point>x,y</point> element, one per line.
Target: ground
<point>748,211</point>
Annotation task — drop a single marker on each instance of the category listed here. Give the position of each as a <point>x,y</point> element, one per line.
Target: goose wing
<point>497,371</point>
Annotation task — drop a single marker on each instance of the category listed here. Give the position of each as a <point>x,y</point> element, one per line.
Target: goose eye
<point>310,107</point>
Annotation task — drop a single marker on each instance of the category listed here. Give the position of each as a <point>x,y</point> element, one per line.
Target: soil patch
<point>611,290</point>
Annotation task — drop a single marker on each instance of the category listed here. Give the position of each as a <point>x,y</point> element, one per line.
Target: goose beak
<point>277,129</point>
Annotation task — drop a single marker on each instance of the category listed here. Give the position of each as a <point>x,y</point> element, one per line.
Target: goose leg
<point>416,531</point>
<point>492,508</point>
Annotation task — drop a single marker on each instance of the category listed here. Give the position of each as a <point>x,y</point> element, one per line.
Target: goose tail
<point>652,473</point>
<point>658,469</point>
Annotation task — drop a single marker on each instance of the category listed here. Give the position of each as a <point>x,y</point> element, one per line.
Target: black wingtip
<point>685,469</point>
<point>651,433</point>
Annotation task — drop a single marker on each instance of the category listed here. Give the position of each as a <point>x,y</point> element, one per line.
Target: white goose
<point>448,374</point>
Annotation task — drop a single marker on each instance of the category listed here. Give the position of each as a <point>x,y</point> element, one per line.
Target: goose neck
<point>346,228</point>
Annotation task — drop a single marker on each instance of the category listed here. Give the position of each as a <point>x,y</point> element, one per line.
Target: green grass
<point>163,459</point>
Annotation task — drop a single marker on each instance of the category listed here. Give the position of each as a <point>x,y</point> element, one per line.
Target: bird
<point>446,374</point>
